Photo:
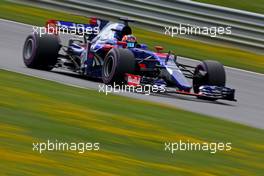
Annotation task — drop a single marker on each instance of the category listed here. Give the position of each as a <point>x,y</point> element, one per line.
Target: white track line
<point>47,79</point>
<point>15,22</point>
<point>232,68</point>
<point>238,69</point>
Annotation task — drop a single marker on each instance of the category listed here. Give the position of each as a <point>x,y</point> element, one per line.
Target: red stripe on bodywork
<point>162,55</point>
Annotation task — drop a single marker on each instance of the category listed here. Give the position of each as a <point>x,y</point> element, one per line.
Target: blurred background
<point>131,131</point>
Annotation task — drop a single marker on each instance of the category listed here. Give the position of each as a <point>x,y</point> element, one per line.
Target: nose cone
<point>179,79</point>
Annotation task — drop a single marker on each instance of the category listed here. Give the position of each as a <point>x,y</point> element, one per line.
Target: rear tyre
<point>209,73</point>
<point>41,52</point>
<point>117,62</point>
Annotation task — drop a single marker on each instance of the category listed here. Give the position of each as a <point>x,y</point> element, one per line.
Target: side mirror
<point>158,48</point>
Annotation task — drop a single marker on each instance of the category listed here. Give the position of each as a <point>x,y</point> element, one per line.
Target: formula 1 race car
<point>110,52</point>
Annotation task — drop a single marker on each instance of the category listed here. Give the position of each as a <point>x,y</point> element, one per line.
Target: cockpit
<point>113,31</point>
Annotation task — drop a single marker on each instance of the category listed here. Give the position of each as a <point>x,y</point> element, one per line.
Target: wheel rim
<point>28,49</point>
<point>108,66</point>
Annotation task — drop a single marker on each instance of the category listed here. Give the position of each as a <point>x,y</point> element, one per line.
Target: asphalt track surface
<point>249,86</point>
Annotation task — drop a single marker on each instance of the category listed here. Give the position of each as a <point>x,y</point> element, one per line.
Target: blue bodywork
<point>92,55</point>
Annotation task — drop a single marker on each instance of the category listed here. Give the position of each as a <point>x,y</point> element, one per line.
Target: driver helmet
<point>130,40</point>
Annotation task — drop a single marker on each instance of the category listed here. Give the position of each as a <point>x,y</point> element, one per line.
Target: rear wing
<point>65,27</point>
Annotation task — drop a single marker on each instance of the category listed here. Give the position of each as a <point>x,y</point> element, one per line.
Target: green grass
<point>131,134</point>
<point>227,55</point>
<point>253,5</point>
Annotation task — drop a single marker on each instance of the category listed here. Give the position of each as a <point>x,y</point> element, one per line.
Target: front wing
<point>205,91</point>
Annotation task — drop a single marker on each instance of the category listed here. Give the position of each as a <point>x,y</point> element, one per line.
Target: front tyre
<point>211,73</point>
<point>41,52</point>
<point>117,62</point>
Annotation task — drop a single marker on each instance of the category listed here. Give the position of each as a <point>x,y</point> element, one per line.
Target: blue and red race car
<point>109,51</point>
